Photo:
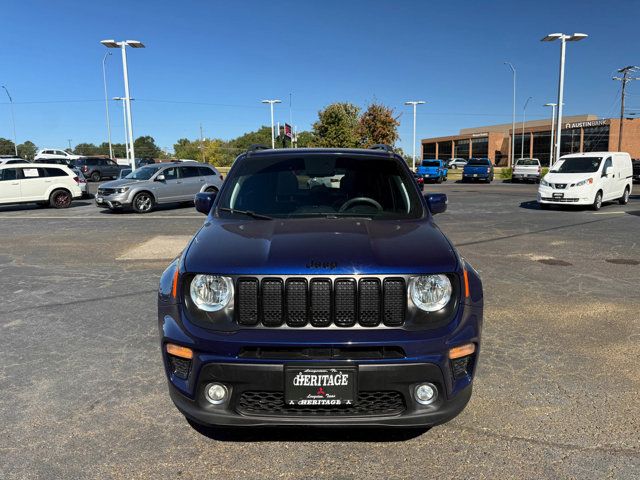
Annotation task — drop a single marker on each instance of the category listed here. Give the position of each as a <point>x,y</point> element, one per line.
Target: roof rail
<point>382,146</point>
<point>257,146</point>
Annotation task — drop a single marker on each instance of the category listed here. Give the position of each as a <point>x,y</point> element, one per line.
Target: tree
<point>337,126</point>
<point>305,139</point>
<point>27,150</point>
<point>87,149</point>
<point>146,147</point>
<point>378,125</point>
<point>6,147</point>
<point>186,149</point>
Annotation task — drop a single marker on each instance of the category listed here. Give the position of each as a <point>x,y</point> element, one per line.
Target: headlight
<point>430,292</point>
<point>544,182</point>
<point>584,182</point>
<point>211,292</point>
<point>122,189</point>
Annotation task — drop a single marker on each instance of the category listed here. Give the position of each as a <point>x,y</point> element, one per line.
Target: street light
<point>13,121</point>
<point>513,117</point>
<point>123,48</point>
<point>415,103</point>
<point>524,115</point>
<point>106,101</point>
<point>563,39</point>
<point>553,119</point>
<point>273,137</point>
<point>124,122</point>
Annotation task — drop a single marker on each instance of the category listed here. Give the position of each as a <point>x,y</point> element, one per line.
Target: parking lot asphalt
<point>556,395</point>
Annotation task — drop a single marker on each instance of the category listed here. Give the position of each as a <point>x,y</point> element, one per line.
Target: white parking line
<point>609,213</point>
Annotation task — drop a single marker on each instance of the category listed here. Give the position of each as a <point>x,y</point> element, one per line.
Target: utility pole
<point>511,160</point>
<point>201,144</point>
<point>13,121</point>
<point>524,115</point>
<point>624,79</point>
<point>69,140</point>
<point>271,103</point>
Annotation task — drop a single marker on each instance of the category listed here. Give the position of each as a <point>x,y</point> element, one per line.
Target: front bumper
<point>114,201</point>
<point>243,378</point>
<point>566,196</point>
<point>525,176</point>
<point>476,176</point>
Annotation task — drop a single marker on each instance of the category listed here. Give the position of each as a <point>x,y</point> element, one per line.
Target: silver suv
<point>157,184</point>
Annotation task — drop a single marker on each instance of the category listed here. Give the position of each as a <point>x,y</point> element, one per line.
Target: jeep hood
<point>319,247</point>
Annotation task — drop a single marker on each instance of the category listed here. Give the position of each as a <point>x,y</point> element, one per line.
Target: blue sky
<point>211,62</point>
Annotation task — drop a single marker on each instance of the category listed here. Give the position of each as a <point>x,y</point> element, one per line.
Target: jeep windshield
<point>323,185</point>
<point>144,173</point>
<point>578,165</point>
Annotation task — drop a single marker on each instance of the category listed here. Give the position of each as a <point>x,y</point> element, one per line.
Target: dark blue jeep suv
<point>319,291</point>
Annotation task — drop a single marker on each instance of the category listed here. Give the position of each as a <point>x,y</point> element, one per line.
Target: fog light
<point>215,393</point>
<point>426,393</point>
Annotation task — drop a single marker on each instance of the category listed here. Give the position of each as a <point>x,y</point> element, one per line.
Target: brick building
<point>580,133</point>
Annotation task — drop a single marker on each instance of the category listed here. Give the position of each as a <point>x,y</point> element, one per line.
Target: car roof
<point>33,165</point>
<point>291,152</point>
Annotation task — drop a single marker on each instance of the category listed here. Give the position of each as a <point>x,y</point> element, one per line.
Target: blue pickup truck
<point>301,303</point>
<point>478,169</point>
<point>433,170</point>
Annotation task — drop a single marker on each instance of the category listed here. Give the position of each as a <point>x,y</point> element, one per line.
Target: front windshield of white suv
<point>578,165</point>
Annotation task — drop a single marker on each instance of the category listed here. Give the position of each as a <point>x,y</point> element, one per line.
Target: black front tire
<point>95,177</point>
<point>624,199</point>
<point>60,199</point>
<point>142,202</point>
<point>597,201</point>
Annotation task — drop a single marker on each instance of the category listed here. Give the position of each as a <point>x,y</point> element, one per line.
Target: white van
<point>587,179</point>
<point>43,183</point>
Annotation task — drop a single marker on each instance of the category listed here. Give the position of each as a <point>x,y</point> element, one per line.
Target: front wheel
<point>624,199</point>
<point>95,177</point>
<point>597,202</point>
<point>142,202</point>
<point>60,199</point>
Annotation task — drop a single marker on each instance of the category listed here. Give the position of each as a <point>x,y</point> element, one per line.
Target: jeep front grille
<point>320,302</point>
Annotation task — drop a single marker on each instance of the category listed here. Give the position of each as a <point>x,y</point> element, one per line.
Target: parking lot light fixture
<point>563,40</point>
<point>524,115</point>
<point>513,117</point>
<point>124,122</point>
<point>13,121</point>
<point>415,103</point>
<point>553,119</point>
<point>123,48</point>
<point>273,137</point>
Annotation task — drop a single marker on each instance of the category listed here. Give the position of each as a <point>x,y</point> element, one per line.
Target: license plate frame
<point>558,195</point>
<point>315,386</point>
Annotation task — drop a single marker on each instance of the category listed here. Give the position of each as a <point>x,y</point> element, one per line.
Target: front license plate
<point>317,386</point>
<point>558,195</point>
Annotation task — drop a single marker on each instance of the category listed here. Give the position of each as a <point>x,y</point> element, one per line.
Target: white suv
<point>51,154</point>
<point>44,184</point>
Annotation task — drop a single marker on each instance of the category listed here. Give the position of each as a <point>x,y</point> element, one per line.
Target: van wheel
<point>60,199</point>
<point>142,202</point>
<point>211,190</point>
<point>624,199</point>
<point>95,177</point>
<point>597,202</point>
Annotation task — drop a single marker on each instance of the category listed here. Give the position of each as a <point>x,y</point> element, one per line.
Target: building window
<point>519,151</point>
<point>462,149</point>
<point>596,139</point>
<point>480,147</point>
<point>445,151</point>
<point>542,146</point>
<point>428,150</point>
<point>570,141</point>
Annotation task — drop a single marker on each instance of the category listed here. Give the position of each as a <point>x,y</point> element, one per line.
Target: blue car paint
<point>433,172</point>
<point>478,172</point>
<point>242,246</point>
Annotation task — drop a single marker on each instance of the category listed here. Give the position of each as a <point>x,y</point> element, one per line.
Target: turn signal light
<point>178,351</point>
<point>174,285</point>
<point>462,351</point>
<point>466,282</point>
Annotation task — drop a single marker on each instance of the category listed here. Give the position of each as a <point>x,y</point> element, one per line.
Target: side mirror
<point>204,201</point>
<point>608,171</point>
<point>437,202</point>
<point>160,178</point>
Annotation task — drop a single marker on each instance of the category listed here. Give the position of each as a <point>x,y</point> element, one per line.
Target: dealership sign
<point>592,123</point>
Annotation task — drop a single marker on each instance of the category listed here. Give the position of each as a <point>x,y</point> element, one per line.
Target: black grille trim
<point>369,302</point>
<point>394,300</point>
<point>382,403</point>
<point>344,298</point>
<point>296,309</point>
<point>322,353</point>
<point>272,302</point>
<point>247,301</point>
<point>320,302</point>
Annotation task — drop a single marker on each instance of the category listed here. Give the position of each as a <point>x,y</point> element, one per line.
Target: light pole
<point>563,39</point>
<point>524,115</point>
<point>415,103</point>
<point>124,122</point>
<point>513,117</point>
<point>273,137</point>
<point>106,101</point>
<point>13,121</point>
<point>553,119</point>
<point>123,48</point>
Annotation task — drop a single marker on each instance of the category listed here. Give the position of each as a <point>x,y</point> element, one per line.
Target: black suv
<point>97,168</point>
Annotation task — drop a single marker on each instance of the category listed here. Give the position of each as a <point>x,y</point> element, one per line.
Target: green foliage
<point>505,173</point>
<point>86,149</point>
<point>6,147</point>
<point>27,150</point>
<point>146,147</point>
<point>305,139</point>
<point>337,126</point>
<point>378,125</point>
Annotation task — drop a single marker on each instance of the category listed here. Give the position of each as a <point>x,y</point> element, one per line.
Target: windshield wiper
<point>248,213</point>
